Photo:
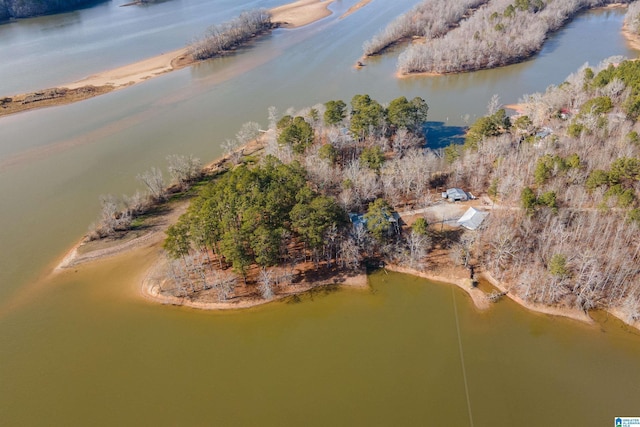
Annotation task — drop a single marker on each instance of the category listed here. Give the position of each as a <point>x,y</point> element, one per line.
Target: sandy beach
<point>138,71</point>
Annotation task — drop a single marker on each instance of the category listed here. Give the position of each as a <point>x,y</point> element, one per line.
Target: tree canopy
<point>246,214</point>
<point>366,114</point>
<point>296,132</point>
<point>377,218</point>
<point>335,112</point>
<point>408,114</point>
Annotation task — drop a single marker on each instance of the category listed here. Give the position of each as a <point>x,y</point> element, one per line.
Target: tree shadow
<point>446,238</point>
<point>440,135</point>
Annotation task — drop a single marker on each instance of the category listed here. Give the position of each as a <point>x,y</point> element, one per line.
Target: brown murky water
<point>84,348</point>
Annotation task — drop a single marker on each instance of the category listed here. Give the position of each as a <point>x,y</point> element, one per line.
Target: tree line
<point>121,214</point>
<point>632,17</point>
<point>501,33</point>
<point>229,35</point>
<point>429,19</point>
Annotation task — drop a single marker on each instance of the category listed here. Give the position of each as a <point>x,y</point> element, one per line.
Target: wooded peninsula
<point>336,187</point>
<point>324,192</point>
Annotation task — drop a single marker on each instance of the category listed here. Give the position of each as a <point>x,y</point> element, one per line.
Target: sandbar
<point>292,15</point>
<point>356,7</point>
<point>137,72</point>
<point>301,12</point>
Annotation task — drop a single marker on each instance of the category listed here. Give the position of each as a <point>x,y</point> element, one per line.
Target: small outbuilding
<point>456,195</point>
<point>543,133</point>
<point>472,219</point>
<point>357,220</point>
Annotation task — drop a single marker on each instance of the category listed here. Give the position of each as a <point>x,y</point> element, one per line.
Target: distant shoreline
<point>634,42</point>
<point>292,15</point>
<point>632,38</point>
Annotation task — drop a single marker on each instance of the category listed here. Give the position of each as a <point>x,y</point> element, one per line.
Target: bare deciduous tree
<point>266,280</point>
<point>184,169</point>
<point>154,181</point>
<point>418,245</point>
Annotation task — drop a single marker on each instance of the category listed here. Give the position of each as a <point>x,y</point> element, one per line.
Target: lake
<point>84,347</point>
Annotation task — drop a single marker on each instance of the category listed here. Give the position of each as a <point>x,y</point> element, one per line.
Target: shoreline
<point>292,15</point>
<point>632,38</point>
<point>571,313</point>
<point>75,256</point>
<point>300,13</point>
<point>478,297</point>
<point>148,288</point>
<point>151,288</point>
<point>152,238</point>
<point>355,8</point>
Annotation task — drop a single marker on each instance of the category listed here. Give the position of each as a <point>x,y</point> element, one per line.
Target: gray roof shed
<point>457,194</point>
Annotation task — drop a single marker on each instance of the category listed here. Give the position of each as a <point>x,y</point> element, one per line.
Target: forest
<point>565,175</point>
<point>265,217</point>
<point>468,36</point>
<point>560,178</point>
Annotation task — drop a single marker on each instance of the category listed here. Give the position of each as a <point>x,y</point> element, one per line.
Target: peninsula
<point>456,37</point>
<point>289,232</point>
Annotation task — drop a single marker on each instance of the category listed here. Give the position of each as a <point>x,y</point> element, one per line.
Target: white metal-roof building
<point>472,218</point>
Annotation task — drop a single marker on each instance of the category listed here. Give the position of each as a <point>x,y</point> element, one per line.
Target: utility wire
<point>464,371</point>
